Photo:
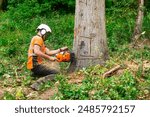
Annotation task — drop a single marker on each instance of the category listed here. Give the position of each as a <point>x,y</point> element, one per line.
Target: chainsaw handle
<point>63,49</point>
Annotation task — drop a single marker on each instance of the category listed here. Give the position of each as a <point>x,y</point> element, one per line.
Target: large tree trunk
<point>139,21</point>
<point>90,45</point>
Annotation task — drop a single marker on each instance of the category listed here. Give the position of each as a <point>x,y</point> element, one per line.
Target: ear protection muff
<point>43,32</point>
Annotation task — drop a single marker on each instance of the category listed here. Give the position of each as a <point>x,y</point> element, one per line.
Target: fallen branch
<point>108,73</point>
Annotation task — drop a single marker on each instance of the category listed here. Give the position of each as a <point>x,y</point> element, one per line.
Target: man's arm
<point>52,52</point>
<point>38,52</point>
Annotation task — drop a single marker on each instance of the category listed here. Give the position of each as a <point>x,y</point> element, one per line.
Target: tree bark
<point>139,21</point>
<point>90,45</point>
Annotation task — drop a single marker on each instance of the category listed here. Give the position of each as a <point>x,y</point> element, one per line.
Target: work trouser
<point>43,70</point>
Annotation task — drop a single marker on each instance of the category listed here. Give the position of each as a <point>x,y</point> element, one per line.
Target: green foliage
<point>8,96</point>
<point>146,73</point>
<point>46,85</point>
<point>93,87</point>
<point>69,91</point>
<point>27,81</point>
<point>17,95</point>
<point>121,3</point>
<point>42,7</point>
<point>121,21</point>
<point>2,70</point>
<point>146,26</point>
<point>64,6</point>
<point>18,25</point>
<point>147,4</point>
<point>116,88</point>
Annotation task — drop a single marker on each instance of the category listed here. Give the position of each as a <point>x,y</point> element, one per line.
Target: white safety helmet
<point>44,29</point>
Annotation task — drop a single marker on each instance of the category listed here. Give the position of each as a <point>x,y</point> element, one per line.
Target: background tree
<point>139,21</point>
<point>3,5</point>
<point>1,2</point>
<point>90,45</point>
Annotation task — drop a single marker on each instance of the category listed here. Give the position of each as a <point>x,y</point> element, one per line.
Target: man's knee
<point>44,70</point>
<point>53,66</point>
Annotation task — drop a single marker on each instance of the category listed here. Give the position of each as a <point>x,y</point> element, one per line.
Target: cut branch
<point>111,71</point>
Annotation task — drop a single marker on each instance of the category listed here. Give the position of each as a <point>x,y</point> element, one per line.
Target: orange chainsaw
<point>65,56</point>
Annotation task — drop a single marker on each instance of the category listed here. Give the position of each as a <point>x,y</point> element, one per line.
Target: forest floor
<point>15,88</point>
<point>73,78</point>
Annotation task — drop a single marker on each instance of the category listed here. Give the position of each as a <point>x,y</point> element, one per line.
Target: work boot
<point>36,85</point>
